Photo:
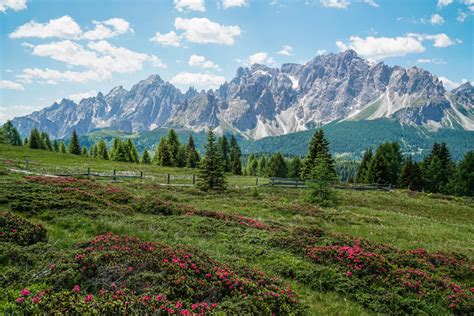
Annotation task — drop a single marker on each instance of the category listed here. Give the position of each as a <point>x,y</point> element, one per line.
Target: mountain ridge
<point>262,101</point>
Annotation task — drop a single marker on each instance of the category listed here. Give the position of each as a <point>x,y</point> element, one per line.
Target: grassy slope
<point>402,219</point>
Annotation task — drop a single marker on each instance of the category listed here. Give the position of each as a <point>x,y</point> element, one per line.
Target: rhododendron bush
<point>113,273</point>
<point>384,278</point>
<point>18,230</point>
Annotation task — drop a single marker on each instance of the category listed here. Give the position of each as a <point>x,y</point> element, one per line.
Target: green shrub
<point>18,230</point>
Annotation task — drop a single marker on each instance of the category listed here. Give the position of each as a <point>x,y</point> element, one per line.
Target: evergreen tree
<point>363,171</point>
<point>115,147</point>
<point>62,148</point>
<point>173,147</point>
<point>122,153</point>
<point>319,144</point>
<point>294,167</point>
<point>252,166</point>
<point>433,175</point>
<point>163,154</point>
<point>262,167</point>
<point>277,166</point>
<point>225,151</point>
<point>133,153</point>
<point>47,142</point>
<point>3,137</point>
<point>384,168</point>
<point>410,175</point>
<point>94,151</point>
<point>11,133</point>
<point>321,189</point>
<point>84,151</point>
<point>235,156</point>
<point>192,155</point>
<point>56,146</point>
<point>182,156</point>
<point>463,181</point>
<point>74,146</point>
<point>25,142</point>
<point>211,169</point>
<point>101,150</point>
<point>436,180</point>
<point>35,141</point>
<point>146,159</point>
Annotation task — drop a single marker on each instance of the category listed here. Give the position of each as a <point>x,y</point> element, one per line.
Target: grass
<point>399,218</point>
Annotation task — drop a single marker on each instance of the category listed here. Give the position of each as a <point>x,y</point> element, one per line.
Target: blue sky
<point>50,49</point>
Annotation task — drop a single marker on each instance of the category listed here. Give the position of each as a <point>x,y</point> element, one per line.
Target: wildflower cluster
<point>18,230</point>
<point>232,219</point>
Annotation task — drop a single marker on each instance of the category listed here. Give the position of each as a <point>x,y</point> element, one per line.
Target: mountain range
<point>261,101</point>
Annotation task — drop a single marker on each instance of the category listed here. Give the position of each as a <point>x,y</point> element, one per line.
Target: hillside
<point>266,229</point>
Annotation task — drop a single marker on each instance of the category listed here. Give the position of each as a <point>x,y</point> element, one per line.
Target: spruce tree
<point>192,155</point>
<point>115,147</point>
<point>436,180</point>
<point>384,167</point>
<point>3,137</point>
<point>211,169</point>
<point>101,150</point>
<point>94,151</point>
<point>252,166</point>
<point>363,171</point>
<point>84,151</point>
<point>235,156</point>
<point>46,141</point>
<point>163,154</point>
<point>294,167</point>
<point>277,166</point>
<point>56,146</point>
<point>319,144</point>
<point>262,166</point>
<point>173,147</point>
<point>320,187</point>
<point>62,148</point>
<point>463,181</point>
<point>225,152</point>
<point>35,139</point>
<point>11,133</point>
<point>25,142</point>
<point>146,159</point>
<point>74,146</point>
<point>122,153</point>
<point>133,153</point>
<point>410,175</point>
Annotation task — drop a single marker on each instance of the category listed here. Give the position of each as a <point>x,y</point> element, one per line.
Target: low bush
<point>15,229</point>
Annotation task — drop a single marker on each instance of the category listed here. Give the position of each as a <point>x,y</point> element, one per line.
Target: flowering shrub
<point>230,218</point>
<point>19,230</point>
<point>122,274</point>
<point>384,278</point>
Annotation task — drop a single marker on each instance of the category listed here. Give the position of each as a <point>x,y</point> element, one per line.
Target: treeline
<point>436,173</point>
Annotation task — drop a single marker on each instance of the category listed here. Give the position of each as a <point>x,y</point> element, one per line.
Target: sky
<point>51,49</point>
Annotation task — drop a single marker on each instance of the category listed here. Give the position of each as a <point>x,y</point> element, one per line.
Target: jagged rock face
<point>262,101</point>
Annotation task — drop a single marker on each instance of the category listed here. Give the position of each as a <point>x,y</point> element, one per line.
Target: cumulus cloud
<point>193,5</point>
<point>63,27</point>
<point>204,31</point>
<point>12,111</point>
<point>234,3</point>
<point>450,85</point>
<point>10,85</point>
<point>337,4</point>
<point>378,48</point>
<point>15,5</point>
<point>371,3</point>
<point>320,52</point>
<point>99,60</point>
<point>197,80</point>
<point>436,19</point>
<point>443,3</point>
<point>77,97</point>
<point>257,58</point>
<point>201,61</point>
<point>109,28</point>
<point>286,50</point>
<point>167,39</point>
<point>437,61</point>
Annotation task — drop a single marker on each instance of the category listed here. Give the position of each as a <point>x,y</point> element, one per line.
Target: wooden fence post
<point>115,173</point>
<point>27,164</point>
<point>169,178</point>
<point>194,179</point>
<point>141,174</point>
<point>256,181</point>
<point>89,172</point>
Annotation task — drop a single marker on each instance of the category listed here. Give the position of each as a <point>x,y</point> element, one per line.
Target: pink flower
<point>88,298</point>
<point>213,305</point>
<point>349,273</point>
<point>179,304</point>
<point>185,312</point>
<point>36,299</point>
<point>130,269</point>
<point>159,297</point>
<point>52,266</point>
<point>20,300</point>
<point>76,288</point>
<point>25,292</point>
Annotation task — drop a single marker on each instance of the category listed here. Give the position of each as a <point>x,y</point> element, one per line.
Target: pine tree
<point>463,181</point>
<point>262,166</point>
<point>84,151</point>
<point>11,133</point>
<point>74,146</point>
<point>433,175</point>
<point>62,148</point>
<point>25,142</point>
<point>133,153</point>
<point>192,155</point>
<point>363,171</point>
<point>101,150</point>
<point>320,188</point>
<point>94,151</point>
<point>384,167</point>
<point>252,166</point>
<point>115,147</point>
<point>56,146</point>
<point>294,167</point>
<point>163,154</point>
<point>410,175</point>
<point>443,175</point>
<point>173,147</point>
<point>122,153</point>
<point>235,156</point>
<point>35,139</point>
<point>211,169</point>
<point>146,159</point>
<point>46,141</point>
<point>277,166</point>
<point>319,144</point>
<point>182,156</point>
<point>3,137</point>
<point>224,147</point>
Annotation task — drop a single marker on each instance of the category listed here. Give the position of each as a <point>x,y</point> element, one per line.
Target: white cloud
<point>168,39</point>
<point>464,15</point>
<point>7,84</point>
<point>234,3</point>
<point>100,60</point>
<point>193,5</point>
<point>377,48</point>
<point>12,111</point>
<point>437,61</point>
<point>201,61</point>
<point>439,40</point>
<point>337,4</point>
<point>371,3</point>
<point>320,52</point>
<point>448,84</point>
<point>77,97</point>
<point>443,3</point>
<point>257,58</point>
<point>109,28</point>
<point>198,80</point>
<point>203,31</point>
<point>436,19</point>
<point>286,50</point>
<point>15,5</point>
<point>63,27</point>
